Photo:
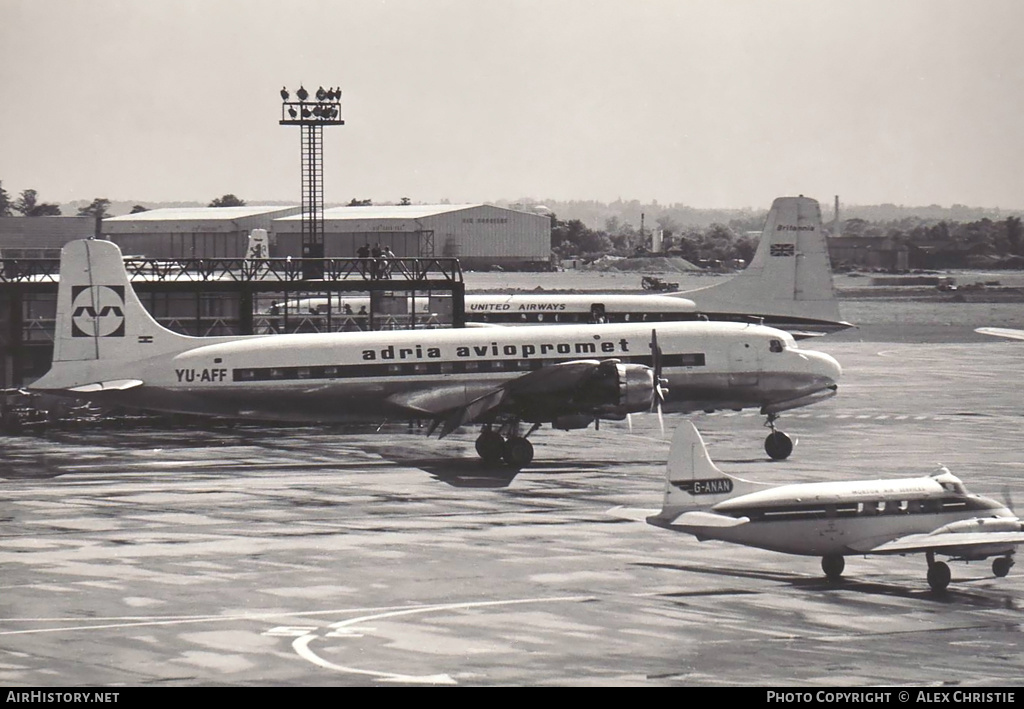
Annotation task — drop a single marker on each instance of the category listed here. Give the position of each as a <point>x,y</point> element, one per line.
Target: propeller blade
<point>629,421</point>
<point>661,420</point>
<point>659,382</point>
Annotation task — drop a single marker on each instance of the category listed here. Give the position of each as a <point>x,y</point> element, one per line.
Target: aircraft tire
<point>833,566</point>
<point>1001,566</point>
<point>490,446</point>
<point>939,576</point>
<point>518,452</point>
<point>778,445</point>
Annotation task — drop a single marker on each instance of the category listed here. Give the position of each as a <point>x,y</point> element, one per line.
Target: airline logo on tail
<point>708,486</point>
<point>97,311</point>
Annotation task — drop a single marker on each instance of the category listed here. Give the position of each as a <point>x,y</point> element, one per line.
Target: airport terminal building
<point>479,235</point>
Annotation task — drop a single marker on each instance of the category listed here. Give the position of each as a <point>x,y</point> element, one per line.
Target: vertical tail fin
<point>693,481</point>
<point>99,317</point>
<point>790,274</point>
<point>259,245</point>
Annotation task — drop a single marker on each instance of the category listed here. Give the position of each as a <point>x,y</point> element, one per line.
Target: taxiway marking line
<point>301,645</point>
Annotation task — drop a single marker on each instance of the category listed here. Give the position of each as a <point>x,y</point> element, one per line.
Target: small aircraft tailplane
<point>99,317</point>
<point>790,274</point>
<point>693,481</point>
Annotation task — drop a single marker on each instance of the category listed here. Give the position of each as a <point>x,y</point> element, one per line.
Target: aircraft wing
<point>545,383</point>
<point>957,544</point>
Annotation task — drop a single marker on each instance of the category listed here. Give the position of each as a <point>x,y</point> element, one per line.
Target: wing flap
<point>563,376</point>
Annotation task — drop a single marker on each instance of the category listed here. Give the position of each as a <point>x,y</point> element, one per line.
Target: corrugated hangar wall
<point>173,233</point>
<point>478,235</point>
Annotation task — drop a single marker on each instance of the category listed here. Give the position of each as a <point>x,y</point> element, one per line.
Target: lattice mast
<point>311,116</point>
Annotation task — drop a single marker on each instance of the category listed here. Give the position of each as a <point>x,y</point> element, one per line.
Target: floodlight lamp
<point>302,93</point>
<point>284,93</point>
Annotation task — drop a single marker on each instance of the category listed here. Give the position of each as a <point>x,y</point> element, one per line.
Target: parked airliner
<point>110,350</point>
<point>788,285</point>
<point>930,515</point>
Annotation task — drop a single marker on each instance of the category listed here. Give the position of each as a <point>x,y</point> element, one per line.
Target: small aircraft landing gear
<point>833,566</point>
<point>1001,565</point>
<point>777,445</point>
<point>505,445</point>
<point>938,573</point>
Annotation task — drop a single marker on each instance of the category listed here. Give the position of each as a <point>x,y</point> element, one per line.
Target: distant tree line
<point>738,239</point>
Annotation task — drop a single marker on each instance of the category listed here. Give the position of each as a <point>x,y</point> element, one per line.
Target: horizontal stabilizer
<point>113,385</point>
<point>707,519</point>
<point>633,514</point>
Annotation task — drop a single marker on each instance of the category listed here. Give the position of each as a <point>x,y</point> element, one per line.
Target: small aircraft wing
<point>545,382</point>
<point>960,543</point>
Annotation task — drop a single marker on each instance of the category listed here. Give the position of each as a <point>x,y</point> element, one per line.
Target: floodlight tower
<point>311,114</point>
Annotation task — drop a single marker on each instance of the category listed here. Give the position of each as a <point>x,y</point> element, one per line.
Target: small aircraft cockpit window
<point>957,487</point>
<point>775,346</point>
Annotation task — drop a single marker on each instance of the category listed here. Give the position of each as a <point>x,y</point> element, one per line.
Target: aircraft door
<point>744,364</point>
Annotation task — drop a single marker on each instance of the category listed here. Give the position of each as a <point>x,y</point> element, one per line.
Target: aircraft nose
<point>824,365</point>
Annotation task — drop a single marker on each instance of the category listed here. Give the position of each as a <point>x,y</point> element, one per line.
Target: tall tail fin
<point>790,274</point>
<point>693,481</point>
<point>259,245</point>
<point>99,317</point>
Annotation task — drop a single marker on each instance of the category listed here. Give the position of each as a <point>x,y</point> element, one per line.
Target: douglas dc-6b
<point>931,515</point>
<point>109,349</point>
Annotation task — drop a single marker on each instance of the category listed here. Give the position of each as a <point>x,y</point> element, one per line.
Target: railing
<point>283,270</point>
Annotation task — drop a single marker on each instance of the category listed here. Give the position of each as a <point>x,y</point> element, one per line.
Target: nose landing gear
<point>777,445</point>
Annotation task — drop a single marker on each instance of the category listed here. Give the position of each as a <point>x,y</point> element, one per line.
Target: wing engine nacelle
<point>625,389</point>
<point>568,423</point>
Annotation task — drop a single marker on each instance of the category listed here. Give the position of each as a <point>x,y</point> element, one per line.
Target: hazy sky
<point>713,104</point>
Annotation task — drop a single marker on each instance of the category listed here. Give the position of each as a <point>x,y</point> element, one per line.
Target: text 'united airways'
<point>493,349</point>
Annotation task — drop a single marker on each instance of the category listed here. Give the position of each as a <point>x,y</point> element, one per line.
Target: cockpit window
<point>775,346</point>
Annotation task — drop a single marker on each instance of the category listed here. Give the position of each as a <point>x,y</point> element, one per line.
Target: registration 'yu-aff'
<point>931,515</point>
<point>110,350</point>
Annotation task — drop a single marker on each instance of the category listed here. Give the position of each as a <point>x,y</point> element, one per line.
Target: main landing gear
<point>833,566</point>
<point>777,445</point>
<point>1001,565</point>
<point>505,445</point>
<point>938,573</point>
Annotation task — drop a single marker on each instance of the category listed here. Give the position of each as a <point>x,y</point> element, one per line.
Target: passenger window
<point>880,506</point>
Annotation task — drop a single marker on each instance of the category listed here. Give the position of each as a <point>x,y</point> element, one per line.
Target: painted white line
<point>301,645</point>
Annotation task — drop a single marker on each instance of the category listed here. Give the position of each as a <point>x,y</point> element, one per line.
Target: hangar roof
<point>204,213</point>
<point>389,211</point>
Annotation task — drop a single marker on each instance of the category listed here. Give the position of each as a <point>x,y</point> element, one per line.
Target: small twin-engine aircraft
<point>788,285</point>
<point>933,515</point>
<point>109,349</point>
